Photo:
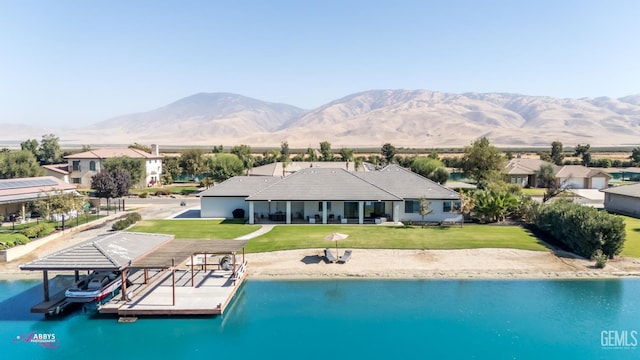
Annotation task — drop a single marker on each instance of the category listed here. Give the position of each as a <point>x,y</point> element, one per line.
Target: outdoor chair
<point>329,256</point>
<point>345,257</point>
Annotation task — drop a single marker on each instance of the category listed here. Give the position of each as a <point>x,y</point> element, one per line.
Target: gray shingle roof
<point>406,184</point>
<point>110,252</point>
<point>240,186</point>
<point>625,190</point>
<point>323,184</point>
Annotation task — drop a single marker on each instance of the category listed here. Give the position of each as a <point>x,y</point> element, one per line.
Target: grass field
<point>195,229</point>
<point>632,242</point>
<point>385,237</point>
<point>362,237</point>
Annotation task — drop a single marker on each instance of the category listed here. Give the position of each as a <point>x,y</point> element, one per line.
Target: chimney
<point>155,150</point>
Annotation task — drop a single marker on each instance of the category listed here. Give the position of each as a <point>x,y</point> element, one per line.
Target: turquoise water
<point>356,319</point>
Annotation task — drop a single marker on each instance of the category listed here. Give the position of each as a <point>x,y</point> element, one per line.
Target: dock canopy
<point>180,250</point>
<point>109,252</point>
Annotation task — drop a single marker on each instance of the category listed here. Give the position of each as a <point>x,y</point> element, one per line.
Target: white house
<point>83,166</point>
<point>623,199</point>
<point>325,195</point>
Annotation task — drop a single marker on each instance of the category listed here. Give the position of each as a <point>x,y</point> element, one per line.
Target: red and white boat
<point>95,287</point>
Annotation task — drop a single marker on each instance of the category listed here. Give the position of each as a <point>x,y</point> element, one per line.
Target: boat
<point>95,287</point>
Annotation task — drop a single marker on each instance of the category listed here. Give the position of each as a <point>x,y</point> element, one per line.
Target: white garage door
<point>598,183</point>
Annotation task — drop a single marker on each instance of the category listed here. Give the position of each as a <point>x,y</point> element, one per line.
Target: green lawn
<point>384,237</point>
<point>360,237</point>
<point>632,242</point>
<point>195,229</point>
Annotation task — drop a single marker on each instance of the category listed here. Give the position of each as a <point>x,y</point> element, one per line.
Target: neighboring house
<point>524,172</point>
<point>60,171</point>
<point>84,165</point>
<point>15,194</point>
<point>325,195</point>
<point>581,177</point>
<point>623,199</point>
<point>279,169</point>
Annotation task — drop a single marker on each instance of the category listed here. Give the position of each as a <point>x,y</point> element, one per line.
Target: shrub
<point>127,221</point>
<point>600,258</point>
<point>143,195</point>
<point>238,214</point>
<point>583,229</point>
<point>187,192</point>
<point>160,192</point>
<point>42,229</point>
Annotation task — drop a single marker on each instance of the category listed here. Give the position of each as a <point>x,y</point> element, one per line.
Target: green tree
<point>217,149</point>
<point>430,168</point>
<point>311,155</point>
<point>170,169</point>
<point>635,155</point>
<point>346,154</point>
<point>325,151</point>
<point>244,153</point>
<point>583,151</point>
<point>135,167</point>
<point>388,153</point>
<point>49,151</point>
<point>225,166</point>
<point>192,162</point>
<point>19,164</point>
<point>547,179</point>
<point>481,159</point>
<point>557,154</point>
<point>30,145</point>
<point>284,151</point>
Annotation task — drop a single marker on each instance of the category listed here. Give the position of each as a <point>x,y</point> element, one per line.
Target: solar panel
<point>20,184</point>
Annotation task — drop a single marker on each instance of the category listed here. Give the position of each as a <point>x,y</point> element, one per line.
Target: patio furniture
<point>345,257</point>
<point>329,256</point>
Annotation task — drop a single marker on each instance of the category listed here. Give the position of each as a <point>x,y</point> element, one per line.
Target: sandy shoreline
<point>435,264</point>
<point>309,264</point>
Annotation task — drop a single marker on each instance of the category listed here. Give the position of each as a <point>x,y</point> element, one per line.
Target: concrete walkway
<point>263,230</point>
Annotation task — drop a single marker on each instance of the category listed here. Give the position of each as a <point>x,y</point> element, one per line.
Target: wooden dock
<point>210,294</point>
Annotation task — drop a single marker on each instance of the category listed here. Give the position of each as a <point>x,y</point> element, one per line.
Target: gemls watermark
<point>619,339</point>
<point>47,340</point>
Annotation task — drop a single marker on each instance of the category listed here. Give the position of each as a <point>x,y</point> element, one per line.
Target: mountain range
<point>405,118</point>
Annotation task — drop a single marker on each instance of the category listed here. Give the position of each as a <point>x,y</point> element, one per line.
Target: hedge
<point>583,229</point>
<point>128,220</point>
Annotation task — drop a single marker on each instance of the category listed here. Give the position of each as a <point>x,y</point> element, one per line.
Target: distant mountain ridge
<point>407,118</point>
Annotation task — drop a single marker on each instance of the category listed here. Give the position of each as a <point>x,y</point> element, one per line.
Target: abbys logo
<point>619,339</point>
<point>47,340</point>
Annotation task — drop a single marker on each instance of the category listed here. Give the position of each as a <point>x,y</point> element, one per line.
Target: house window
<point>76,180</point>
<point>449,206</point>
<point>92,165</point>
<point>75,165</point>
<point>351,209</point>
<point>320,205</point>
<point>374,209</point>
<point>411,207</point>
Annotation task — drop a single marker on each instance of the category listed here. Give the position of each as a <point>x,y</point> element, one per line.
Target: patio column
<point>396,211</point>
<point>324,212</point>
<point>288,214</point>
<point>360,212</point>
<point>251,217</point>
<point>45,284</point>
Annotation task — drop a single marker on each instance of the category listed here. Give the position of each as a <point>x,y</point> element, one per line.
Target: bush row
<point>11,240</point>
<point>36,231</point>
<point>584,230</point>
<point>128,220</point>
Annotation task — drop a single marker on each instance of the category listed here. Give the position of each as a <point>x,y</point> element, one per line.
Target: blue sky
<point>76,62</point>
